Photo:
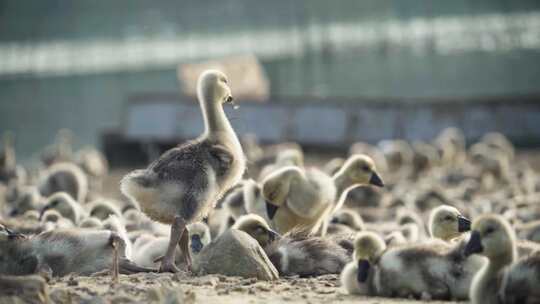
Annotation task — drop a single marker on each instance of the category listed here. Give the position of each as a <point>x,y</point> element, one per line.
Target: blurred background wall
<point>74,63</point>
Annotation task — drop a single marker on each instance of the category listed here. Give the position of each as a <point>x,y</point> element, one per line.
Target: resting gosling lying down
<point>66,206</point>
<point>63,251</point>
<point>447,223</point>
<point>345,221</point>
<point>431,270</point>
<point>502,279</point>
<point>357,276</point>
<point>65,177</point>
<point>148,250</point>
<point>295,253</point>
<point>303,199</point>
<point>185,183</point>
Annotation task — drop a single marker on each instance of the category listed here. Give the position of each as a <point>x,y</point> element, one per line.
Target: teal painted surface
<point>36,107</point>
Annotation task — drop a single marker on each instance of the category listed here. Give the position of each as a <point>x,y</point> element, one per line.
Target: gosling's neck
<point>216,125</point>
<point>343,183</point>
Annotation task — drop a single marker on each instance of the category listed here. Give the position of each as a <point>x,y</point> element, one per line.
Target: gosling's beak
<point>196,244</point>
<point>230,100</point>
<point>376,180</point>
<point>272,235</point>
<point>43,211</point>
<point>271,209</point>
<point>13,212</point>
<point>464,224</point>
<point>474,245</point>
<point>363,271</point>
<point>12,235</point>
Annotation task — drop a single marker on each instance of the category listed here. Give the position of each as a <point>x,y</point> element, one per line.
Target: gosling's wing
<point>220,159</point>
<point>179,164</point>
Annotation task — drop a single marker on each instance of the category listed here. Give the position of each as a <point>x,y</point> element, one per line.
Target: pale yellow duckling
<point>345,221</point>
<point>298,198</point>
<point>358,276</point>
<point>503,279</point>
<point>447,223</point>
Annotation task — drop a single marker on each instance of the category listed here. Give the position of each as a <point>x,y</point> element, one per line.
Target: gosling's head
<point>360,169</point>
<point>446,223</point>
<point>492,237</point>
<point>349,218</point>
<point>91,222</point>
<point>290,157</point>
<point>7,234</point>
<point>276,185</point>
<point>256,227</point>
<point>368,246</point>
<point>199,236</point>
<point>63,203</point>
<point>213,85</point>
<point>102,209</point>
<point>51,215</point>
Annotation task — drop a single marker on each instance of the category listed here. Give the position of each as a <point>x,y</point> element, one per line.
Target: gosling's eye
<point>365,168</point>
<point>448,218</point>
<point>224,80</point>
<point>489,230</point>
<point>259,230</point>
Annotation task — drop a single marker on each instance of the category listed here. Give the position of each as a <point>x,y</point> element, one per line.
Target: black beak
<point>376,180</point>
<point>43,211</point>
<point>363,271</point>
<point>270,209</point>
<point>272,235</point>
<point>230,100</point>
<point>464,224</point>
<point>474,245</point>
<point>12,235</point>
<point>196,244</point>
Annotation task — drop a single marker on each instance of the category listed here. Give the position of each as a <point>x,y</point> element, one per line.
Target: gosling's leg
<point>184,246</point>
<point>115,268</point>
<point>178,229</point>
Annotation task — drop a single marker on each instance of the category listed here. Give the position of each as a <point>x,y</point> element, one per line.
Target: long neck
<point>343,183</point>
<point>215,120</point>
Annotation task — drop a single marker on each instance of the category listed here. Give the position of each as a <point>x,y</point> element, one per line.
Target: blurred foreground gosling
<point>64,251</point>
<point>503,279</point>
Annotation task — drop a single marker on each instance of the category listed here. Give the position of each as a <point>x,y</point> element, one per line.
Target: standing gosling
<point>502,279</point>
<point>184,184</point>
<point>358,276</point>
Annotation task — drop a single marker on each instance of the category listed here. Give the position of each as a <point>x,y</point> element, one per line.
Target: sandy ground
<point>155,288</point>
<point>184,288</point>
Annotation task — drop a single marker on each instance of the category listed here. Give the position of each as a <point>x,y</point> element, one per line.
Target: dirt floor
<point>183,288</point>
<point>206,289</point>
